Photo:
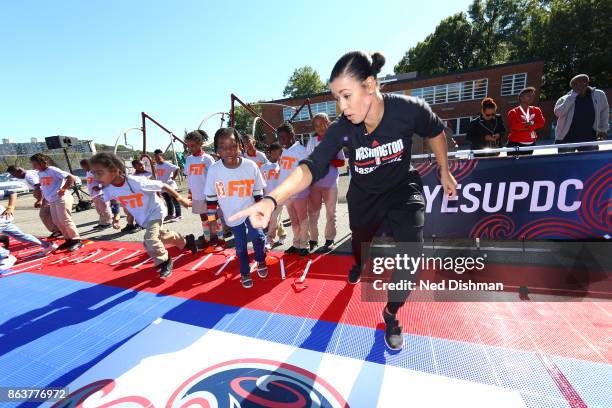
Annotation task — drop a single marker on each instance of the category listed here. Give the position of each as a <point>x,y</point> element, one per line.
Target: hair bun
<point>378,60</point>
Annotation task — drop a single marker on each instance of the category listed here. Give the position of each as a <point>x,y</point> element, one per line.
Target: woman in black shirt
<point>377,129</point>
<point>487,129</point>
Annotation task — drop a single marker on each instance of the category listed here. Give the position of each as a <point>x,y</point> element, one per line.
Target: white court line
<point>87,257</point>
<point>141,263</point>
<point>66,259</point>
<point>253,267</point>
<point>282,268</point>
<point>303,277</point>
<point>201,262</point>
<point>27,262</point>
<point>127,257</point>
<point>109,255</point>
<point>21,270</point>
<point>225,265</point>
<point>29,251</point>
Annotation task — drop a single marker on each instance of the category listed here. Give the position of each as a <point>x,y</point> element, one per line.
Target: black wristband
<point>273,200</point>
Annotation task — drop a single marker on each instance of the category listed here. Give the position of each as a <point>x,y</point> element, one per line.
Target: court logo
<point>256,383</point>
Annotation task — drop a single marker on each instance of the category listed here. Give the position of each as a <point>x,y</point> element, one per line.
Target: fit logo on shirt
<point>197,169</point>
<point>46,180</point>
<point>131,201</point>
<point>287,162</point>
<point>235,188</point>
<point>160,172</point>
<point>272,174</point>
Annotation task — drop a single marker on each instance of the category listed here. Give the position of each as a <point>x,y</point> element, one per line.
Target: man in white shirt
<point>166,172</point>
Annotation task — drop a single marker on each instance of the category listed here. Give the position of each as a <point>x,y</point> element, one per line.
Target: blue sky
<point>88,68</point>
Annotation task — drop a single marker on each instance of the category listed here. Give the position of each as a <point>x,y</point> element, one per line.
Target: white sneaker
<point>49,249</point>
<point>268,245</point>
<point>281,241</point>
<point>7,262</point>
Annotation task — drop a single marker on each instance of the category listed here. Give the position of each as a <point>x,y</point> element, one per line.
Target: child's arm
<point>11,205</point>
<point>70,179</point>
<point>37,194</point>
<point>185,202</point>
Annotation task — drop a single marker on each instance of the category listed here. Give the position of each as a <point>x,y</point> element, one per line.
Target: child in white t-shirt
<point>139,171</point>
<point>297,206</point>
<point>56,187</point>
<point>139,196</point>
<point>235,183</point>
<point>166,172</point>
<point>196,167</point>
<point>97,197</point>
<point>271,175</point>
<point>251,153</point>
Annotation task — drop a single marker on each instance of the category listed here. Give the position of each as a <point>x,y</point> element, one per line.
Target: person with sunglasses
<point>487,129</point>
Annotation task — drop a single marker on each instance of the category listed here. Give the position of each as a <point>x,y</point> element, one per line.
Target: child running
<point>235,183</point>
<point>139,171</point>
<point>297,206</point>
<point>138,195</point>
<point>197,166</point>
<point>271,175</point>
<point>11,230</point>
<point>97,197</point>
<point>166,173</point>
<point>55,185</point>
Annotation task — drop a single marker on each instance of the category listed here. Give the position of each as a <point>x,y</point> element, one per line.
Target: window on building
<point>512,84</point>
<point>328,107</point>
<point>455,92</point>
<point>459,126</point>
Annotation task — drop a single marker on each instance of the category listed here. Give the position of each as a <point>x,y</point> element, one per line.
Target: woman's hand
<point>259,213</point>
<point>449,184</point>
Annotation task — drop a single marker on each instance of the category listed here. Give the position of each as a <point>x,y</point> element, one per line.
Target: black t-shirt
<point>379,161</point>
<point>581,129</point>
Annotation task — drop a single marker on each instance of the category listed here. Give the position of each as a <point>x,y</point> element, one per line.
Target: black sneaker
<point>102,226</point>
<point>129,228</point>
<point>165,269</point>
<point>190,243</point>
<point>312,245</point>
<point>246,281</point>
<point>354,275</point>
<point>303,252</point>
<point>55,234</point>
<point>262,270</point>
<point>64,245</point>
<point>292,250</point>
<point>201,242</point>
<point>74,245</point>
<point>4,239</point>
<point>393,331</point>
<point>329,243</point>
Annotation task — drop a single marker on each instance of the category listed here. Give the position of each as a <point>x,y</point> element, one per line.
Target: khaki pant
<point>298,213</point>
<point>317,197</point>
<point>275,227</point>
<point>156,236</point>
<point>103,210</point>
<point>45,216</point>
<point>61,212</point>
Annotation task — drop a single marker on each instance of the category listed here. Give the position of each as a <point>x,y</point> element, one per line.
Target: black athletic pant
<point>172,205</point>
<point>402,210</point>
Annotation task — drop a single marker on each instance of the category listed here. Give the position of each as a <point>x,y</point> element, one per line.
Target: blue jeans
<point>12,230</point>
<point>244,233</point>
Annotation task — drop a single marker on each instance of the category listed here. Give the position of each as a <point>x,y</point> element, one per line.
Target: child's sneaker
<point>190,243</point>
<point>281,240</point>
<point>7,262</point>
<point>4,239</point>
<point>292,250</point>
<point>48,249</point>
<point>312,245</point>
<point>165,269</point>
<point>269,244</point>
<point>262,269</point>
<point>246,281</point>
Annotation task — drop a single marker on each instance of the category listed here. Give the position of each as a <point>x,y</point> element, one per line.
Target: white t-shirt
<point>146,175</point>
<point>289,161</point>
<point>51,180</point>
<point>197,169</point>
<point>260,158</point>
<point>31,178</point>
<point>91,183</point>
<point>271,174</point>
<point>138,196</point>
<point>164,171</point>
<point>234,188</point>
<point>331,178</point>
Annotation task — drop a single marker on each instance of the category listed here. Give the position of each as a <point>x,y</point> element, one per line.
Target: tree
<point>305,81</point>
<point>243,122</point>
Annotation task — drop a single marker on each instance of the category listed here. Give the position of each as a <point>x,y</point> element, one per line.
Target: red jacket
<point>520,132</point>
